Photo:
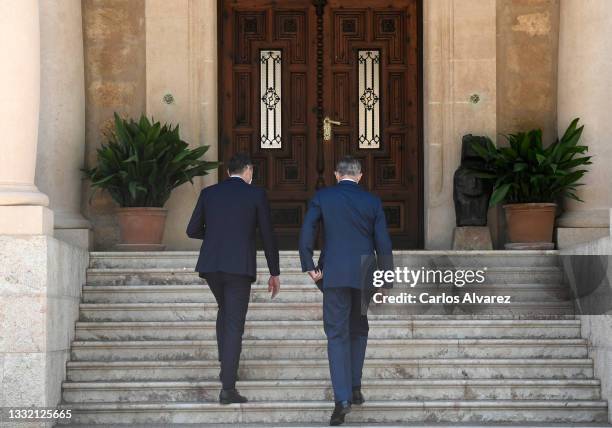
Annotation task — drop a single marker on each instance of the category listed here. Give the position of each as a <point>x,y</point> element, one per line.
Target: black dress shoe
<point>229,396</point>
<point>357,397</point>
<point>342,409</point>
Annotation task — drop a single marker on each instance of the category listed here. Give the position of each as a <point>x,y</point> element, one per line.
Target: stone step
<point>507,411</point>
<point>304,390</point>
<point>291,293</point>
<point>371,425</point>
<point>193,311</point>
<point>290,259</point>
<point>145,349</point>
<point>379,329</point>
<point>173,259</point>
<point>312,348</point>
<point>453,368</point>
<point>143,276</point>
<point>298,311</point>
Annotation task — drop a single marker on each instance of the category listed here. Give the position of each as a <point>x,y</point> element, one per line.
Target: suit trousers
<point>232,293</point>
<point>347,337</point>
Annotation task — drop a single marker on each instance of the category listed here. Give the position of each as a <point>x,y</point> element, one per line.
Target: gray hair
<point>348,165</point>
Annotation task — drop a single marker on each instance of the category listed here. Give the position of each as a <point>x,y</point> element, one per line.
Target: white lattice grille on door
<point>369,99</point>
<point>271,63</point>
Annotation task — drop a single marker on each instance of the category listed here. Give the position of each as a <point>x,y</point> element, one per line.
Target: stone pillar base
<point>40,295</point>
<point>570,236</point>
<point>69,220</point>
<point>25,220</point>
<point>472,238</point>
<point>78,237</point>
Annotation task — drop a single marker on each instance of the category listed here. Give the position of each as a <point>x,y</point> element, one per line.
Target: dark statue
<point>471,194</point>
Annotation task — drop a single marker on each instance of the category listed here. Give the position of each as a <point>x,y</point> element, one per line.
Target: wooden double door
<point>288,68</point>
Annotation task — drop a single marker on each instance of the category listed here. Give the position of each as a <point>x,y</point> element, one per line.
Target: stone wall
<point>597,328</point>
<point>460,97</point>
<point>527,52</point>
<point>585,61</point>
<point>115,80</point>
<point>137,52</point>
<point>527,45</point>
<point>480,77</point>
<point>181,40</point>
<point>40,291</point>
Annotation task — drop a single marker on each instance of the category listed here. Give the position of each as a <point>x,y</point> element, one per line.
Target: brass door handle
<point>327,127</point>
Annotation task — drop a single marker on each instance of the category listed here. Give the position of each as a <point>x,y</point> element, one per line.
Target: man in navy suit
<point>354,231</point>
<point>225,218</point>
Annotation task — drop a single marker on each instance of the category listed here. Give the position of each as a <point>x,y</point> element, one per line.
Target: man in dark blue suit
<point>354,233</point>
<point>225,218</point>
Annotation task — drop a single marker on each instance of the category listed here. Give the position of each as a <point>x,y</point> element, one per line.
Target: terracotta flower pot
<point>531,223</point>
<point>141,228</point>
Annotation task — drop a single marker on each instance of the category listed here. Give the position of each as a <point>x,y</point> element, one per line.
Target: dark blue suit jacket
<point>225,218</point>
<point>354,227</point>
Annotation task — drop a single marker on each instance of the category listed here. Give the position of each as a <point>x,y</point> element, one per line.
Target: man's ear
<point>228,173</point>
<point>359,177</point>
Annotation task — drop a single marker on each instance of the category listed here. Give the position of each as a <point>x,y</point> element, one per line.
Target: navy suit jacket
<point>354,227</point>
<point>226,217</point>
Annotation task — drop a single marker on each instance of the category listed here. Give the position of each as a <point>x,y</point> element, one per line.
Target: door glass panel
<point>271,62</point>
<point>369,93</point>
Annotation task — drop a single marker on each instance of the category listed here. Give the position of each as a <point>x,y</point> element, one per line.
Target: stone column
<point>23,208</point>
<point>61,130</point>
<point>584,90</point>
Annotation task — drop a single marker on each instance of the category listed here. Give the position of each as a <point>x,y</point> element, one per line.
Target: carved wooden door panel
<point>371,86</point>
<point>267,100</point>
<point>286,64</point>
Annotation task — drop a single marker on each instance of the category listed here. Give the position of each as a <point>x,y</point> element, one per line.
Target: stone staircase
<point>145,351</point>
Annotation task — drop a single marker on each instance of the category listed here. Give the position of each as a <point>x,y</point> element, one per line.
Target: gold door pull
<point>327,127</point>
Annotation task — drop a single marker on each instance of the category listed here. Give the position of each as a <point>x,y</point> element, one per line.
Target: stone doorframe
<point>459,93</point>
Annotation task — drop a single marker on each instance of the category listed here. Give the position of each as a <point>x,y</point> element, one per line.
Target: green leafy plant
<point>142,163</point>
<point>526,171</point>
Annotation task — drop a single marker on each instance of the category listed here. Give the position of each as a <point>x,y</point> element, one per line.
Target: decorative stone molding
<point>61,128</point>
<point>459,62</point>
<point>181,59</point>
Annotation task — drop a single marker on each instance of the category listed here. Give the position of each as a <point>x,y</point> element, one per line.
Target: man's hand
<point>274,285</point>
<point>316,275</point>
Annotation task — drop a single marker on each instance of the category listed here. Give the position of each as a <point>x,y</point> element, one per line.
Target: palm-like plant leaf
<point>142,162</point>
<point>526,171</point>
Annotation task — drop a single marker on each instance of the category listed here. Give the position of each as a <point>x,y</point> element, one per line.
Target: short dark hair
<point>348,165</point>
<point>238,163</point>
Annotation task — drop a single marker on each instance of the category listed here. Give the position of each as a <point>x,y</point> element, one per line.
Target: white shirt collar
<point>239,176</point>
<point>349,179</point>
